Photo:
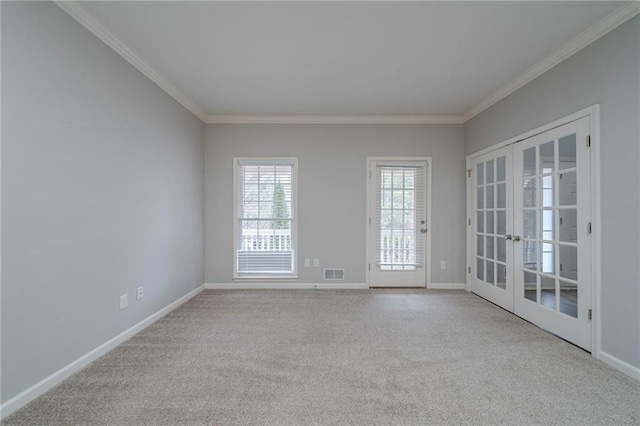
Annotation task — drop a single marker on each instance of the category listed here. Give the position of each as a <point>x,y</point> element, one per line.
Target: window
<point>265,228</point>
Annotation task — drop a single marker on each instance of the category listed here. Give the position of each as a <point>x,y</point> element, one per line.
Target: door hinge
<point>588,141</point>
<point>469,269</point>
<point>369,266</point>
<point>468,173</point>
<point>469,222</point>
<point>589,228</point>
<point>369,221</point>
<point>369,174</point>
<point>589,314</point>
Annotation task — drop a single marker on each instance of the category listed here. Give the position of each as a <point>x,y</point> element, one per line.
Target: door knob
<point>423,230</point>
<point>508,237</point>
<point>516,238</point>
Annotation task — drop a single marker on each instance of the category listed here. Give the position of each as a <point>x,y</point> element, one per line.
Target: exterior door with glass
<point>397,223</point>
<point>491,223</point>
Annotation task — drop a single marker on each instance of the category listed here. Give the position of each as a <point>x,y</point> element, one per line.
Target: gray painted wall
<point>332,191</point>
<point>606,72</point>
<point>102,186</point>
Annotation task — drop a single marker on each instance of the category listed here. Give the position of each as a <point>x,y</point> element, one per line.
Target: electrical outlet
<point>140,293</point>
<point>307,263</point>
<point>316,263</point>
<point>124,301</point>
<point>443,265</point>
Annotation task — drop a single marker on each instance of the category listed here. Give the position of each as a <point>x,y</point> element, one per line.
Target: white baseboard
<point>447,286</point>
<point>44,385</point>
<point>620,365</point>
<point>285,286</point>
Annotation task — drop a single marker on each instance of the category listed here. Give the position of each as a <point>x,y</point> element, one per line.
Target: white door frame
<point>369,215</point>
<point>593,112</point>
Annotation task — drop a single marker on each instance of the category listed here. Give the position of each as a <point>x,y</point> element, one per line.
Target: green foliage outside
<point>280,209</point>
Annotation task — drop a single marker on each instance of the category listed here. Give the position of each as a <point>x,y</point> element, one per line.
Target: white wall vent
<point>334,274</point>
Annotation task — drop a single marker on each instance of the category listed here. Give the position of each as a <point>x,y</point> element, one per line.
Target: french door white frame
<point>371,214</point>
<point>593,113</point>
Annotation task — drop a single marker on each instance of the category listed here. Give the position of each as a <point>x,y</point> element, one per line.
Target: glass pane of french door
<point>491,222</point>
<point>551,241</point>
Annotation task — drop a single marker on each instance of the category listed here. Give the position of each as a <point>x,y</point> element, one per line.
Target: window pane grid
<point>490,206</point>
<point>398,245</point>
<point>550,252</point>
<point>265,243</point>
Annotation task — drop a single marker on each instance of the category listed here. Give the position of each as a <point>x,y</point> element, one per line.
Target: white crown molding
<point>334,119</point>
<point>582,40</point>
<point>599,29</point>
<point>100,30</point>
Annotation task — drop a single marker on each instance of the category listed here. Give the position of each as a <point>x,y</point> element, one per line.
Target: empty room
<point>320,212</point>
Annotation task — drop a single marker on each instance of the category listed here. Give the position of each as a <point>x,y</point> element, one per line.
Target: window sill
<point>266,278</point>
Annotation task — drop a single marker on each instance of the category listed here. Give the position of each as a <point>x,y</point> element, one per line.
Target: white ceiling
<point>344,58</point>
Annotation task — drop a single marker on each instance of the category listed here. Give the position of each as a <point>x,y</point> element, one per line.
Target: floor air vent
<point>334,274</point>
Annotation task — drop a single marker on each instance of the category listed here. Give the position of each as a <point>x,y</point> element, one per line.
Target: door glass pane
<point>409,220</point>
<point>568,231</point>
<point>480,245</point>
<point>480,174</point>
<point>529,162</point>
<point>548,259</point>
<point>567,152</point>
<point>547,190</point>
<point>501,169</point>
<point>490,172</point>
<point>480,221</point>
<point>408,199</point>
<point>501,247</point>
<point>385,198</point>
<point>530,286</point>
<point>530,255</point>
<point>398,246</point>
<point>529,222</point>
<point>501,276</point>
<point>568,262</point>
<point>480,269</point>
<point>569,299</point>
<point>489,228</point>
<point>490,277</point>
<point>547,157</point>
<point>489,190</point>
<point>547,225</point>
<point>490,248</point>
<point>548,292</point>
<point>502,196</point>
<point>502,222</point>
<point>480,198</point>
<point>568,190</point>
<point>529,192</point>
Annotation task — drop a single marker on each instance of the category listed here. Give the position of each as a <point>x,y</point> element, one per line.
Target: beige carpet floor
<point>297,357</point>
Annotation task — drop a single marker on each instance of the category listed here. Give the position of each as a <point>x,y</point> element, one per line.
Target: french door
<point>397,223</point>
<point>552,245</point>
<point>532,250</point>
<point>493,207</point>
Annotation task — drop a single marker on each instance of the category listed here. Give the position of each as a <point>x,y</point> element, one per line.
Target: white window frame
<point>293,276</point>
